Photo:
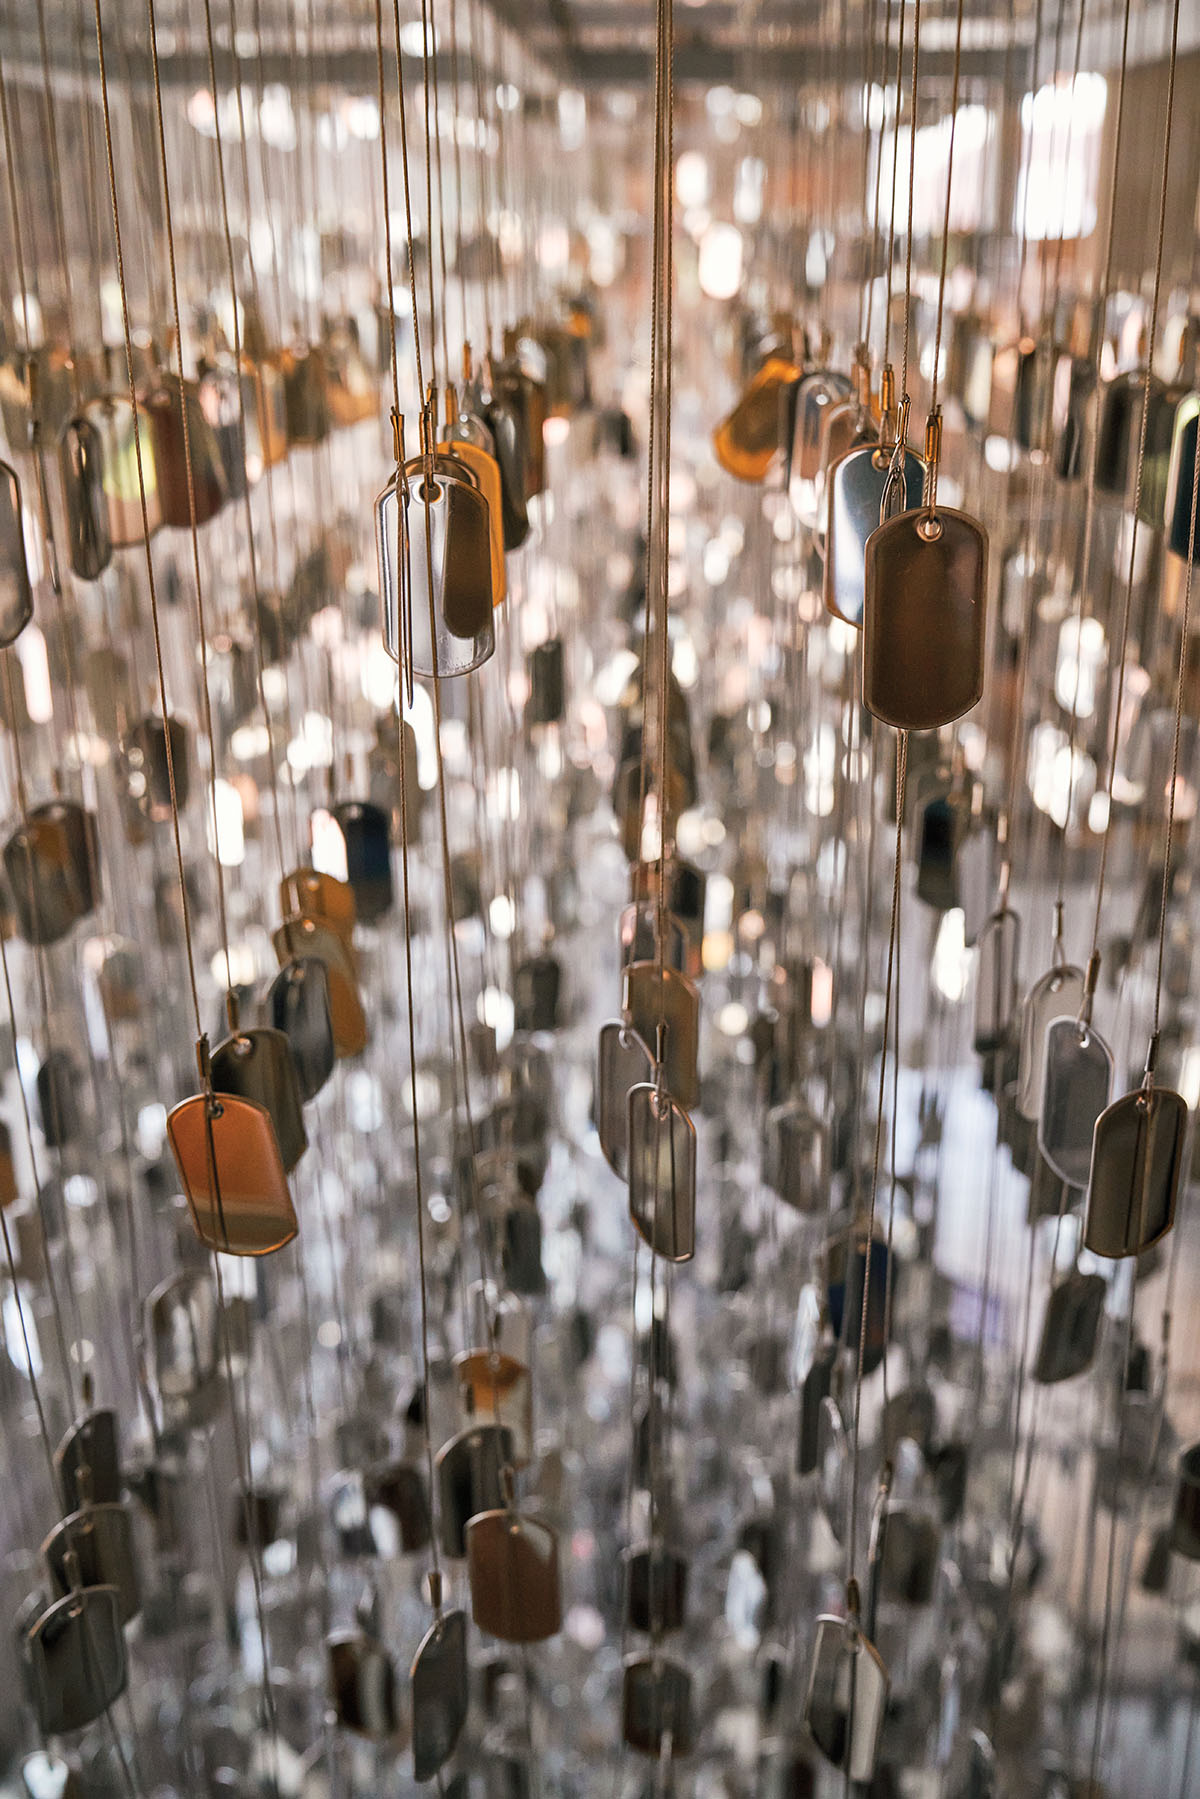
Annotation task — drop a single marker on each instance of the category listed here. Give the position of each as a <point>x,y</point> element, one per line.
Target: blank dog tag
<point>910,1555</point>
<point>1075,1092</point>
<point>439,1693</point>
<point>854,488</point>
<point>91,1445</point>
<point>367,837</point>
<point>655,1588</point>
<point>362,1686</point>
<point>654,996</point>
<point>1070,1327</point>
<point>996,981</point>
<point>1183,539</point>
<point>1057,994</point>
<point>656,1705</point>
<point>1119,441</point>
<point>75,1660</point>
<point>468,1470</point>
<point>814,1390</point>
<point>89,544</point>
<point>16,592</point>
<point>546,704</point>
<point>833,1465</point>
<point>1137,1164</point>
<point>297,1004</point>
<point>257,1065</point>
<point>536,984</point>
<point>875,1272</point>
<point>120,437</point>
<point>499,1389</point>
<point>847,1697</point>
<point>450,537</point>
<point>305,936</point>
<point>52,861</point>
<point>794,1156</point>
<point>662,1173</point>
<point>1185,1517</point>
<point>183,1325</point>
<point>149,769</point>
<point>504,416</point>
<point>313,894</point>
<point>186,495</point>
<point>817,392</point>
<point>943,823</point>
<point>924,618</point>
<point>101,1538</point>
<point>512,1570</point>
<point>638,933</point>
<point>232,1175</point>
<point>58,1082</point>
<point>622,1063</point>
<point>399,1489</point>
<point>750,439</point>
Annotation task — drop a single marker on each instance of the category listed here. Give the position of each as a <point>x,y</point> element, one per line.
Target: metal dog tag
<point>75,1659</point>
<point>656,1705</point>
<point>366,834</point>
<point>100,1537</point>
<point>468,1470</point>
<point>232,1175</point>
<point>90,1445</point>
<point>847,1697</point>
<point>1075,1092</point>
<point>996,981</point>
<point>1136,1168</point>
<point>854,488</point>
<point>297,1004</point>
<point>52,861</point>
<point>924,617</point>
<point>362,1686</point>
<point>439,1693</point>
<point>1185,1516</point>
<point>662,1173</point>
<point>795,1156</point>
<point>1070,1327</point>
<point>655,996</point>
<point>512,1569</point>
<point>16,590</point>
<point>303,936</point>
<point>1057,994</point>
<point>258,1065</point>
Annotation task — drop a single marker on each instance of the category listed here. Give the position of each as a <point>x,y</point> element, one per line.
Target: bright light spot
<point>240,969</point>
<point>417,40</point>
<point>748,193</point>
<point>1082,650</point>
<point>691,178</point>
<point>228,842</point>
<point>35,671</point>
<point>719,266</point>
<point>572,118</point>
<point>502,916</point>
<point>277,121</point>
<point>951,958</point>
<point>1061,128</point>
<point>495,1008</point>
<point>822,993</point>
<point>328,845</point>
<point>15,1341</point>
<point>151,1131</point>
<point>555,432</point>
<point>508,97</point>
<point>329,1333</point>
<point>733,1019</point>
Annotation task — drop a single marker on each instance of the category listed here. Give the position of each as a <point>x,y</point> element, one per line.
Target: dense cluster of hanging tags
<point>117,449</point>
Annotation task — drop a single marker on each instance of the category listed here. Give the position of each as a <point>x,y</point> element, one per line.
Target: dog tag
<point>87,1462</point>
<point>183,1324</point>
<point>833,1465</point>
<point>257,1065</point>
<point>924,617</point>
<point>654,997</point>
<point>854,489</point>
<point>875,1271</point>
<point>233,1178</point>
<point>1074,396</point>
<point>546,704</point>
<point>81,465</point>
<point>321,896</point>
<point>101,1539</point>
<point>297,1004</point>
<point>1075,1092</point>
<point>794,1156</point>
<point>399,1489</point>
<point>655,1589</point>
<point>306,399</point>
<point>814,1390</point>
<point>1185,1516</point>
<point>470,442</point>
<point>662,1173</point>
<point>1119,441</point>
<point>512,1570</point>
<point>119,436</point>
<point>468,1470</point>
<point>16,591</point>
<point>910,1555</point>
<point>750,439</point>
<point>1070,1327</point>
<point>498,1389</point>
<point>362,1686</point>
<point>75,1660</point>
<point>1057,994</point>
<point>52,861</point>
<point>818,391</point>
<point>623,1062</point>
<point>1136,1168</point>
<point>656,1706</point>
<point>847,1697</point>
<point>58,1082</point>
<point>504,416</point>
<point>149,771</point>
<point>439,1693</point>
<point>302,936</point>
<point>1183,536</point>
<point>447,627</point>
<point>536,984</point>
<point>184,502</point>
<point>996,981</point>
<point>366,835</point>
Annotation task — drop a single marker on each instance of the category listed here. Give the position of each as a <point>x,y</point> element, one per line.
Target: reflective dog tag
<point>512,1569</point>
<point>653,997</point>
<point>1057,994</point>
<point>183,1324</point>
<point>497,1388</point>
<point>910,1555</point>
<point>876,1274</point>
<point>52,862</point>
<point>398,1488</point>
<point>297,1004</point>
<point>1136,1168</point>
<point>819,390</point>
<point>814,1390</point>
<point>302,936</point>
<point>257,1065</point>
<point>794,1156</point>
<point>536,984</point>
<point>662,1173</point>
<point>447,628</point>
<point>750,439</point>
<point>439,1693</point>
<point>655,1588</point>
<point>833,1465</point>
<point>656,1705</point>
<point>75,1660</point>
<point>120,436</point>
<point>1075,1092</point>
<point>58,1082</point>
<point>16,591</point>
<point>504,416</point>
<point>468,1470</point>
<point>1070,1327</point>
<point>622,1063</point>
<point>89,544</point>
<point>847,1697</point>
<point>996,981</point>
<point>1183,537</point>
<point>313,894</point>
<point>546,704</point>
<point>367,837</point>
<point>208,488</point>
<point>233,1178</point>
<point>101,1538</point>
<point>91,1445</point>
<point>362,1686</point>
<point>924,617</point>
<point>854,489</point>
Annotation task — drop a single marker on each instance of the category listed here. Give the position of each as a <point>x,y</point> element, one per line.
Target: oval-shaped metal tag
<point>1077,1082</point>
<point>656,1705</point>
<point>233,1178</point>
<point>439,1693</point>
<point>512,1568</point>
<point>1136,1168</point>
<point>924,617</point>
<point>75,1659</point>
<point>1056,994</point>
<point>662,1173</point>
<point>847,1697</point>
<point>258,1065</point>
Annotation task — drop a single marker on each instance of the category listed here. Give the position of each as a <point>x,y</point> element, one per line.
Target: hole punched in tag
<point>924,610</point>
